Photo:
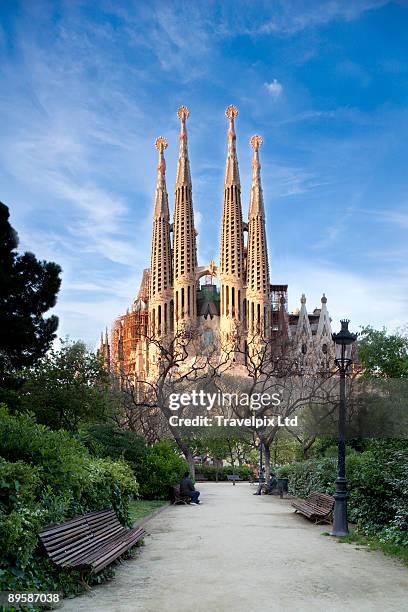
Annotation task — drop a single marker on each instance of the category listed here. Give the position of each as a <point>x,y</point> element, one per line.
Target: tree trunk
<point>267,460</point>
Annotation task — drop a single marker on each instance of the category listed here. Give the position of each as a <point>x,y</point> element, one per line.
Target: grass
<point>140,508</point>
<point>374,543</point>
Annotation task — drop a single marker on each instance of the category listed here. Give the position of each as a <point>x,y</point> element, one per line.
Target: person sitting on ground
<point>187,489</point>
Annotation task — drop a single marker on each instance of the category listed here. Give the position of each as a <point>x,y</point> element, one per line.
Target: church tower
<point>160,277</point>
<point>184,234</point>
<point>258,287</point>
<point>232,271</point>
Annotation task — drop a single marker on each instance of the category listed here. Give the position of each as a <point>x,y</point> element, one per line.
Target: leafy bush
<point>105,440</point>
<point>49,477</point>
<point>377,486</point>
<point>161,468</point>
<point>220,473</point>
<point>62,458</point>
<point>111,484</point>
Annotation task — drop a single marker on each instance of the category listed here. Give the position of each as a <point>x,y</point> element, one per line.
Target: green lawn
<point>374,543</point>
<point>142,507</point>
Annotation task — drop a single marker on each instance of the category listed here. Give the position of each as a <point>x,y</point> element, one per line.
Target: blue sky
<point>86,87</point>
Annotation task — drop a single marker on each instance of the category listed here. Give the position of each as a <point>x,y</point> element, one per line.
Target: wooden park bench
<point>89,542</point>
<point>318,507</point>
<point>200,478</point>
<point>177,498</point>
<point>233,478</point>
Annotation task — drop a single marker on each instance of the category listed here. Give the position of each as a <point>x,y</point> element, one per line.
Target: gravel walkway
<point>240,553</point>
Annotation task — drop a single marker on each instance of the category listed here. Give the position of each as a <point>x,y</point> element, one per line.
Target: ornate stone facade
<point>172,295</point>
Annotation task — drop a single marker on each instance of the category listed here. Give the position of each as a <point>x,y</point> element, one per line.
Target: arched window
<point>304,349</point>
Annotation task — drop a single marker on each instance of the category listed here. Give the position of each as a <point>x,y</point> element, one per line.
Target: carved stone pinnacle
<point>231,111</point>
<point>256,142</point>
<point>183,113</point>
<point>161,143</point>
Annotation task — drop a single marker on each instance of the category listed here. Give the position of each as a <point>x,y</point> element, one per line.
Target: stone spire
<point>303,335</point>
<point>258,286</point>
<point>104,349</point>
<point>160,277</point>
<point>232,271</point>
<point>324,327</point>
<point>184,234</point>
<point>231,169</point>
<point>324,345</point>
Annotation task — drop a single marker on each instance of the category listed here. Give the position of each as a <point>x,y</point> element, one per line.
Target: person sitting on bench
<point>187,489</point>
<point>268,488</point>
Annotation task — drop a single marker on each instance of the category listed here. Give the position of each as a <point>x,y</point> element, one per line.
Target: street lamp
<point>344,340</point>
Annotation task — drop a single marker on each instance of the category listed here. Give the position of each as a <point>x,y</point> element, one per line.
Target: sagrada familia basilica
<point>176,292</point>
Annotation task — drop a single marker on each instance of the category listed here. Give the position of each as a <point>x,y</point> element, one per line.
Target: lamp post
<point>344,340</point>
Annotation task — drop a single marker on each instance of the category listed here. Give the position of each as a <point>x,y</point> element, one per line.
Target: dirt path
<point>240,553</point>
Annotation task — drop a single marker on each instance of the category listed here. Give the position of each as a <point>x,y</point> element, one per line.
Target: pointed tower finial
<point>161,208</point>
<point>258,285</point>
<point>232,172</point>
<point>256,142</point>
<point>161,144</point>
<point>184,234</point>
<point>183,166</point>
<point>256,206</point>
<point>183,113</point>
<point>160,274</point>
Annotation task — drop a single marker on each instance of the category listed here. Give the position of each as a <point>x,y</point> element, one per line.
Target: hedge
<point>220,473</point>
<point>49,477</point>
<point>377,486</point>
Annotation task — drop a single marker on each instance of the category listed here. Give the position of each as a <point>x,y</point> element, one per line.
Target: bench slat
<point>90,541</point>
<point>316,506</point>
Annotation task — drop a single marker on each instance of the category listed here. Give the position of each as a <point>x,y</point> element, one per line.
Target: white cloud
<point>364,300</point>
<point>275,88</point>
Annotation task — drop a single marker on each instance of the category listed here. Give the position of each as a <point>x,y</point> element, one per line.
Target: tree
<point>182,363</point>
<point>109,440</point>
<point>28,289</point>
<point>271,367</point>
<point>383,355</point>
<point>67,388</point>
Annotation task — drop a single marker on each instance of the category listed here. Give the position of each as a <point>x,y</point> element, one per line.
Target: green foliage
<point>19,482</point>
<point>161,468</point>
<point>377,485</point>
<point>311,475</point>
<point>232,445</point>
<point>49,477</point>
<point>62,458</point>
<point>67,387</point>
<point>110,483</point>
<point>220,473</point>
<point>106,440</point>
<point>383,355</point>
<point>28,289</point>
<point>375,543</point>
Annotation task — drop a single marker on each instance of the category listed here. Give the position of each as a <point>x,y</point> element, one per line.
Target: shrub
<point>104,440</point>
<point>49,477</point>
<point>377,486</point>
<point>161,468</point>
<point>220,473</point>
<point>111,484</point>
<point>61,458</point>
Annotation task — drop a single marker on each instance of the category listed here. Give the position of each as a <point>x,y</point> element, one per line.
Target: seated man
<point>269,487</point>
<point>187,489</point>
<point>273,483</point>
